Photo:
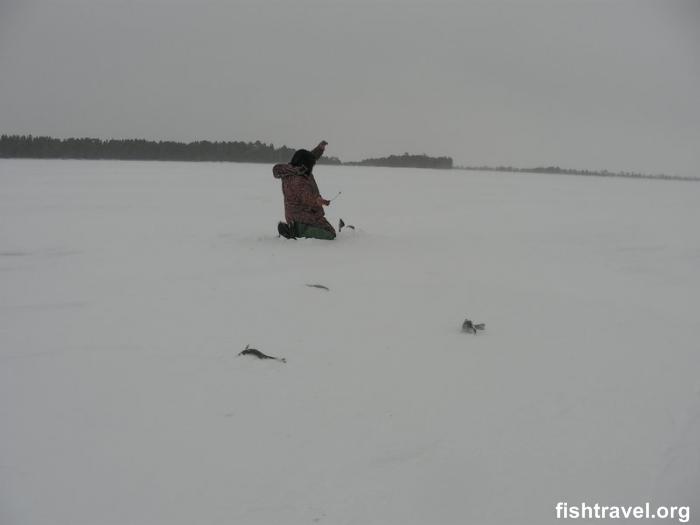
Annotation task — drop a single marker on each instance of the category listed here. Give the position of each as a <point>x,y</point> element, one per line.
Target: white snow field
<point>127,289</point>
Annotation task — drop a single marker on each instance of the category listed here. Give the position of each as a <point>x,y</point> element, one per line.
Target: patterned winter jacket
<point>301,194</point>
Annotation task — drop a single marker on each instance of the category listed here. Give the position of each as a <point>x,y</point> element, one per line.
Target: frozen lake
<point>127,290</point>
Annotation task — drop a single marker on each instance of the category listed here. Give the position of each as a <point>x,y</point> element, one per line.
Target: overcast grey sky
<point>579,83</point>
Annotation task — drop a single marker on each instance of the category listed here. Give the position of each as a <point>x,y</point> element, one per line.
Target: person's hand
<point>322,202</point>
<point>322,144</point>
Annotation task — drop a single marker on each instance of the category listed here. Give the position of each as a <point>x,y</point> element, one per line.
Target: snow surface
<point>127,290</point>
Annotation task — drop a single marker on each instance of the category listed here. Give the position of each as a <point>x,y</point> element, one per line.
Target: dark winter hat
<point>304,157</point>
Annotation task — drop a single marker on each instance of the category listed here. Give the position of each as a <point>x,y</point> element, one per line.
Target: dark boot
<point>285,231</point>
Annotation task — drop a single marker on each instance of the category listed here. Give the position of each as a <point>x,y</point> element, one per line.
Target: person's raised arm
<point>318,150</point>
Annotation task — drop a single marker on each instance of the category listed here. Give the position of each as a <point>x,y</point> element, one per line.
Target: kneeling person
<point>303,204</point>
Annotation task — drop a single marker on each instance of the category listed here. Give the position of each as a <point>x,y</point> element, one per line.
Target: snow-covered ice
<point>127,289</point>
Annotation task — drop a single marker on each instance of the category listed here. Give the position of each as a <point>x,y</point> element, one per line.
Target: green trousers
<point>312,232</point>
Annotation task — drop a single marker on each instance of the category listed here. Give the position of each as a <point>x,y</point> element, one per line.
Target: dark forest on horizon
<point>28,146</point>
<point>34,147</point>
<point>407,161</point>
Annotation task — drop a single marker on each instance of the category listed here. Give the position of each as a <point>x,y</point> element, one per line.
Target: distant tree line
<point>565,171</point>
<point>407,161</point>
<point>28,146</point>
